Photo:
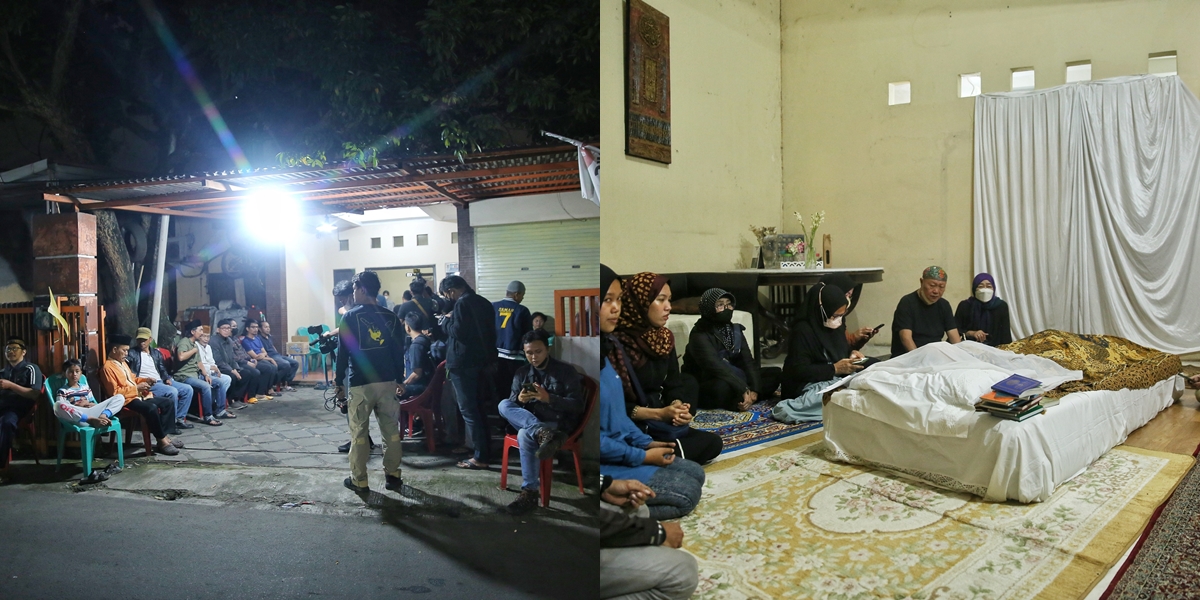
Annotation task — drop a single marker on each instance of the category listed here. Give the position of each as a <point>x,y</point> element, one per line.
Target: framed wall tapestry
<point>647,83</point>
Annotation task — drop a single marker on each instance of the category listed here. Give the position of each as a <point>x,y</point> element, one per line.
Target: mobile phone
<point>529,387</point>
<point>860,361</point>
<point>877,328</point>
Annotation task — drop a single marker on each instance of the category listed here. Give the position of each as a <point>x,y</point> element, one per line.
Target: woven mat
<point>739,430</point>
<point>785,522</point>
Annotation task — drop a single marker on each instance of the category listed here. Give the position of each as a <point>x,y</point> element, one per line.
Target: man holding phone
<point>545,404</point>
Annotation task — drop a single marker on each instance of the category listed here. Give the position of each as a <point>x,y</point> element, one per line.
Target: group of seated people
<point>647,444</point>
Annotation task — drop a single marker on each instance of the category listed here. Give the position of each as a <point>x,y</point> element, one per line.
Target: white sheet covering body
<point>948,444</point>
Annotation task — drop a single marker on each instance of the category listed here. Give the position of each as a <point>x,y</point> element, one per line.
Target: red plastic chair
<point>134,421</point>
<point>572,445</point>
<point>423,405</point>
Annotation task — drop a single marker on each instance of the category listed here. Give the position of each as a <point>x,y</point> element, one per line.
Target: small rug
<point>1166,561</point>
<point>786,522</point>
<point>740,430</point>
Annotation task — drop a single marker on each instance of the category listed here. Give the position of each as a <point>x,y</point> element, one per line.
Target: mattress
<point>984,455</point>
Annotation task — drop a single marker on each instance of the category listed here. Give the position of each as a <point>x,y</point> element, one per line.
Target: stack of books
<point>1016,398</point>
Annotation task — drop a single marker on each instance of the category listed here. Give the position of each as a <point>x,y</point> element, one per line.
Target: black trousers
<point>158,412</point>
<point>9,417</point>
<point>270,371</point>
<point>254,382</point>
<point>699,446</point>
<point>718,393</point>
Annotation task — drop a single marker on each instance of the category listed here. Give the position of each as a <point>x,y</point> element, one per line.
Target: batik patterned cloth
<point>1108,362</point>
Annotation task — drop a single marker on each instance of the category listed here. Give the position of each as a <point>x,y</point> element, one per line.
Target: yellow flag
<point>57,314</point>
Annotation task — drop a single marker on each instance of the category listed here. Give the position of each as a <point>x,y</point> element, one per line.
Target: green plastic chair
<point>313,352</point>
<point>87,435</point>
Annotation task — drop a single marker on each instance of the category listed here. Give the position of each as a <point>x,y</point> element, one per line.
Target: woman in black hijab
<point>858,338</point>
<point>718,356</point>
<point>818,353</point>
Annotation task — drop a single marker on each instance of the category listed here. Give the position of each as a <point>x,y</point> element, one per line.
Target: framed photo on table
<point>647,83</point>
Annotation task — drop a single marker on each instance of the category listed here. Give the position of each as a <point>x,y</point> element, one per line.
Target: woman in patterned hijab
<point>658,397</point>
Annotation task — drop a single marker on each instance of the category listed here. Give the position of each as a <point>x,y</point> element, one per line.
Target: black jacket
<point>706,357</point>
<point>224,355</point>
<point>471,333</point>
<point>662,383</point>
<point>808,360</point>
<point>621,530</point>
<point>999,331</point>
<point>565,387</point>
<point>134,360</point>
<point>370,346</point>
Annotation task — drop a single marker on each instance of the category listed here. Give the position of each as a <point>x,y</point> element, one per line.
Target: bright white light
<point>326,227</point>
<point>270,215</point>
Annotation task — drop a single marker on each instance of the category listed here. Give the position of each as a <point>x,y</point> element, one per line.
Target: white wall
<point>531,209</point>
<point>312,258</point>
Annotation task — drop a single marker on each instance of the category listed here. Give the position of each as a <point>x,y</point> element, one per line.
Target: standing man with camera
<point>370,360</point>
<point>470,350</point>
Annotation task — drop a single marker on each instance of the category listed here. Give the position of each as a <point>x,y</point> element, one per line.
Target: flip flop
<point>471,465</point>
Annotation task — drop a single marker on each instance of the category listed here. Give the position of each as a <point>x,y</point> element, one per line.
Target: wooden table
<point>787,288</point>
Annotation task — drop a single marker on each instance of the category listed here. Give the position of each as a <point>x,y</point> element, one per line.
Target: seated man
<point>287,366</point>
<point>545,404</point>
<point>187,353</point>
<point>257,352</point>
<point>212,374</point>
<point>147,363</point>
<point>74,401</point>
<point>233,361</point>
<point>20,386</point>
<point>639,556</point>
<point>418,366</point>
<point>539,322</point>
<point>924,316</point>
<point>118,380</point>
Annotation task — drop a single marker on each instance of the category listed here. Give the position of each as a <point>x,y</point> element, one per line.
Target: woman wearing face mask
<point>984,316</point>
<point>657,396</point>
<point>818,354</point>
<point>718,356</point>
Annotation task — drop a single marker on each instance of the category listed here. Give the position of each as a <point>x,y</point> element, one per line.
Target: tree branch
<point>66,43</point>
<point>6,45</point>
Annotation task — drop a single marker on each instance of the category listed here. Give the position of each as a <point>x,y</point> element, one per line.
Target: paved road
<point>108,544</point>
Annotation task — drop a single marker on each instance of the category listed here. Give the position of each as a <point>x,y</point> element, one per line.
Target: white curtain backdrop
<point>1087,208</point>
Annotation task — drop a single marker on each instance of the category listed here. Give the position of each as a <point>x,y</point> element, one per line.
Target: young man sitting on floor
<point>546,402</point>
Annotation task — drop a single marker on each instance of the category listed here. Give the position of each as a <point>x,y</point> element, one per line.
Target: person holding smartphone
<point>818,355</point>
<point>545,405</point>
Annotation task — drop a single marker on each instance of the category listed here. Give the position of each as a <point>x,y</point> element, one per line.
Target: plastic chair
<point>423,405</point>
<point>87,435</point>
<point>572,445</point>
<point>313,352</point>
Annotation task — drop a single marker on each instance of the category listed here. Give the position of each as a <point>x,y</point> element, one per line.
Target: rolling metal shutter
<point>545,256</point>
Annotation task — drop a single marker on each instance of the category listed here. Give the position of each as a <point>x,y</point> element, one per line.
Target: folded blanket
<point>1107,362</point>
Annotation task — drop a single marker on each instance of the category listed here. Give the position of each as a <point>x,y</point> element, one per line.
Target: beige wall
<point>725,174</point>
<point>896,181</point>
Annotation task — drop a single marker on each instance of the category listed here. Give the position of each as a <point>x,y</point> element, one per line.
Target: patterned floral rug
<point>1166,561</point>
<point>741,430</point>
<point>785,522</point>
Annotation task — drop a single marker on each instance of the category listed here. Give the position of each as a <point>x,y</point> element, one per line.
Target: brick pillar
<point>64,251</point>
<point>466,245</point>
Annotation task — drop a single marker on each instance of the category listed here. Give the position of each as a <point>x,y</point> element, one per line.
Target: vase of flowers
<point>815,221</point>
<point>766,246</point>
<point>791,247</point>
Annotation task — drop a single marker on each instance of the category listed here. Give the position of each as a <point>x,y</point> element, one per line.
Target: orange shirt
<point>116,378</point>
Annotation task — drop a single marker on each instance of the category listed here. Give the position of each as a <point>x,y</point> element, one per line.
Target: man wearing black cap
<point>20,386</point>
<point>513,321</point>
<point>187,354</point>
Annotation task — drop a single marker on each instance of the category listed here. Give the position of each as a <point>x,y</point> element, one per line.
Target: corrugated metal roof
<point>411,182</point>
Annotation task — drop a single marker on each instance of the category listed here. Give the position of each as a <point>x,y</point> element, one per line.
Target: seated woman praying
<point>818,354</point>
<point>74,401</point>
<point>984,316</point>
<point>658,397</point>
<point>718,356</point>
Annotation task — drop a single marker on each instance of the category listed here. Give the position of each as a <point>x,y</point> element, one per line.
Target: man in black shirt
<point>20,386</point>
<point>470,349</point>
<point>545,404</point>
<point>924,316</point>
<point>370,360</point>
